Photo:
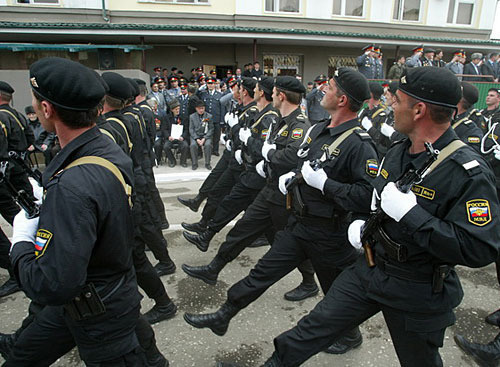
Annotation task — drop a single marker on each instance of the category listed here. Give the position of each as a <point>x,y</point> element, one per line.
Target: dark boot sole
<point>190,206</point>
<point>353,346</point>
<point>209,281</point>
<point>198,245</point>
<point>216,331</point>
<point>312,293</point>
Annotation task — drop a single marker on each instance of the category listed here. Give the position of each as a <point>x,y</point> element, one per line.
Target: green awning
<point>17,47</point>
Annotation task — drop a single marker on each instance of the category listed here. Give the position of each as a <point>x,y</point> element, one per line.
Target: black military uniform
<point>316,113</point>
<point>95,301</point>
<point>413,283</point>
<point>247,185</point>
<point>467,131</point>
<point>377,115</point>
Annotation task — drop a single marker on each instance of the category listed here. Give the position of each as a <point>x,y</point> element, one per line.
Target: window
<point>275,65</point>
<point>38,1</point>
<point>181,1</point>
<point>350,8</point>
<point>407,10</point>
<point>335,62</point>
<point>283,6</point>
<point>460,11</point>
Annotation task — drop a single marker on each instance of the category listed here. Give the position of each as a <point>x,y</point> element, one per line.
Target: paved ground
<point>249,339</point>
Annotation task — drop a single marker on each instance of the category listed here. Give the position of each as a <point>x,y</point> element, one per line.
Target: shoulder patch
<point>264,134</point>
<point>284,133</point>
<point>297,133</point>
<point>384,173</point>
<point>478,212</point>
<point>423,192</point>
<point>372,167</point>
<point>309,140</point>
<point>42,240</point>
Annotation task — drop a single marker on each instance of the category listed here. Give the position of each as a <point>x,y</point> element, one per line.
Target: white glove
<point>396,204</point>
<point>354,233</point>
<point>366,123</point>
<point>387,130</point>
<point>226,116</point>
<point>260,169</point>
<point>228,145</point>
<point>283,180</point>
<point>244,135</point>
<point>497,152</point>
<point>237,156</point>
<point>314,178</point>
<point>266,148</point>
<point>232,120</point>
<point>223,139</point>
<point>24,229</point>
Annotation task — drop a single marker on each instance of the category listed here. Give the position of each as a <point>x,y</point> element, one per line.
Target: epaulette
<point>362,134</point>
<point>467,162</point>
<point>396,142</point>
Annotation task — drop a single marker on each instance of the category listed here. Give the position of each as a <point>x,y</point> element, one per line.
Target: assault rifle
<point>31,208</point>
<point>32,172</point>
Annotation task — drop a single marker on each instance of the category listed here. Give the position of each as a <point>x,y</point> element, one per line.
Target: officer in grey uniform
<point>366,62</point>
<point>315,112</point>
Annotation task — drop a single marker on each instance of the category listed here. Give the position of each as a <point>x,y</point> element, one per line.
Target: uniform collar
<point>67,154</point>
<point>342,127</point>
<point>292,115</point>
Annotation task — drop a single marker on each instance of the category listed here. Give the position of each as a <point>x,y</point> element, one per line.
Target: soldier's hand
<point>387,130</point>
<point>232,120</point>
<point>244,135</point>
<point>283,180</point>
<point>396,204</point>
<point>237,156</point>
<point>228,145</point>
<point>497,152</point>
<point>266,148</point>
<point>223,139</point>
<point>354,233</point>
<point>366,123</point>
<point>260,169</point>
<point>314,178</point>
<point>24,229</point>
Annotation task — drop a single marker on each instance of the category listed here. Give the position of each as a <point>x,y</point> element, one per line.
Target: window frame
<point>400,14</point>
<point>342,10</point>
<point>176,2</point>
<point>277,6</point>
<point>455,12</point>
<point>31,3</point>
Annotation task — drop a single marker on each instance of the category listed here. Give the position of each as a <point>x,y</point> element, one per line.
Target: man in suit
<point>490,67</point>
<point>201,130</point>
<point>474,68</point>
<point>174,118</point>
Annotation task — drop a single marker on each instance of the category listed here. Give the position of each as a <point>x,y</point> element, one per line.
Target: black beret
<point>119,87</point>
<point>134,87</point>
<point>353,83</point>
<point>266,84</point>
<point>248,83</point>
<point>470,93</point>
<point>376,89</point>
<point>393,86</point>
<point>28,110</point>
<point>66,83</point>
<point>438,86</point>
<point>101,80</point>
<point>5,87</point>
<point>289,83</point>
<point>140,81</point>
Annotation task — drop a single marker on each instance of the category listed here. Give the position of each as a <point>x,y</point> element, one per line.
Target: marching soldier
<point>464,127</point>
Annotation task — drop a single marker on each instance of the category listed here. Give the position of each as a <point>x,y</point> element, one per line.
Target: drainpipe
<point>104,15</point>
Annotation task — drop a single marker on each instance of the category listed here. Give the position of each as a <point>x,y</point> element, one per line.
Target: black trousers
<point>215,174</point>
<point>216,138</point>
<point>147,278</point>
<point>233,204</point>
<point>261,217</point>
<point>222,187</point>
<point>159,215</point>
<point>327,249</point>
<point>158,149</point>
<point>51,334</point>
<point>417,337</point>
<point>183,146</point>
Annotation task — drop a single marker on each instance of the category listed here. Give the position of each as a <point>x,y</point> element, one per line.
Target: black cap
<point>119,87</point>
<point>393,86</point>
<point>376,89</point>
<point>28,110</point>
<point>353,83</point>
<point>320,79</point>
<point>266,84</point>
<point>470,93</point>
<point>248,83</point>
<point>289,83</point>
<point>5,87</point>
<point>134,87</point>
<point>438,86</point>
<point>198,102</point>
<point>66,83</point>
<point>140,81</point>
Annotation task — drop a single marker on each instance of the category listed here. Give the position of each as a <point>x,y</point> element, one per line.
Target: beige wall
<point>215,6</point>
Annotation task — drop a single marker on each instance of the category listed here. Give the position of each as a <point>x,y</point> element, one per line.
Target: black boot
<point>274,361</point>
<point>303,291</point>
<point>164,224</point>
<point>218,321</point>
<point>207,273</point>
<point>161,312</point>
<point>201,240</point>
<point>9,287</point>
<point>494,318</point>
<point>6,343</point>
<point>485,355</point>
<point>259,242</point>
<point>165,268</point>
<point>345,343</point>
<point>198,227</point>
<point>192,204</point>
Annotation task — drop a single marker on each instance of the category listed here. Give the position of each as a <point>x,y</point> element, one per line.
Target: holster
<point>86,305</point>
<point>394,250</point>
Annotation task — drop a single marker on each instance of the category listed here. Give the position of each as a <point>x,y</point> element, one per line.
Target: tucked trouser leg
<point>221,188</point>
<point>215,174</point>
